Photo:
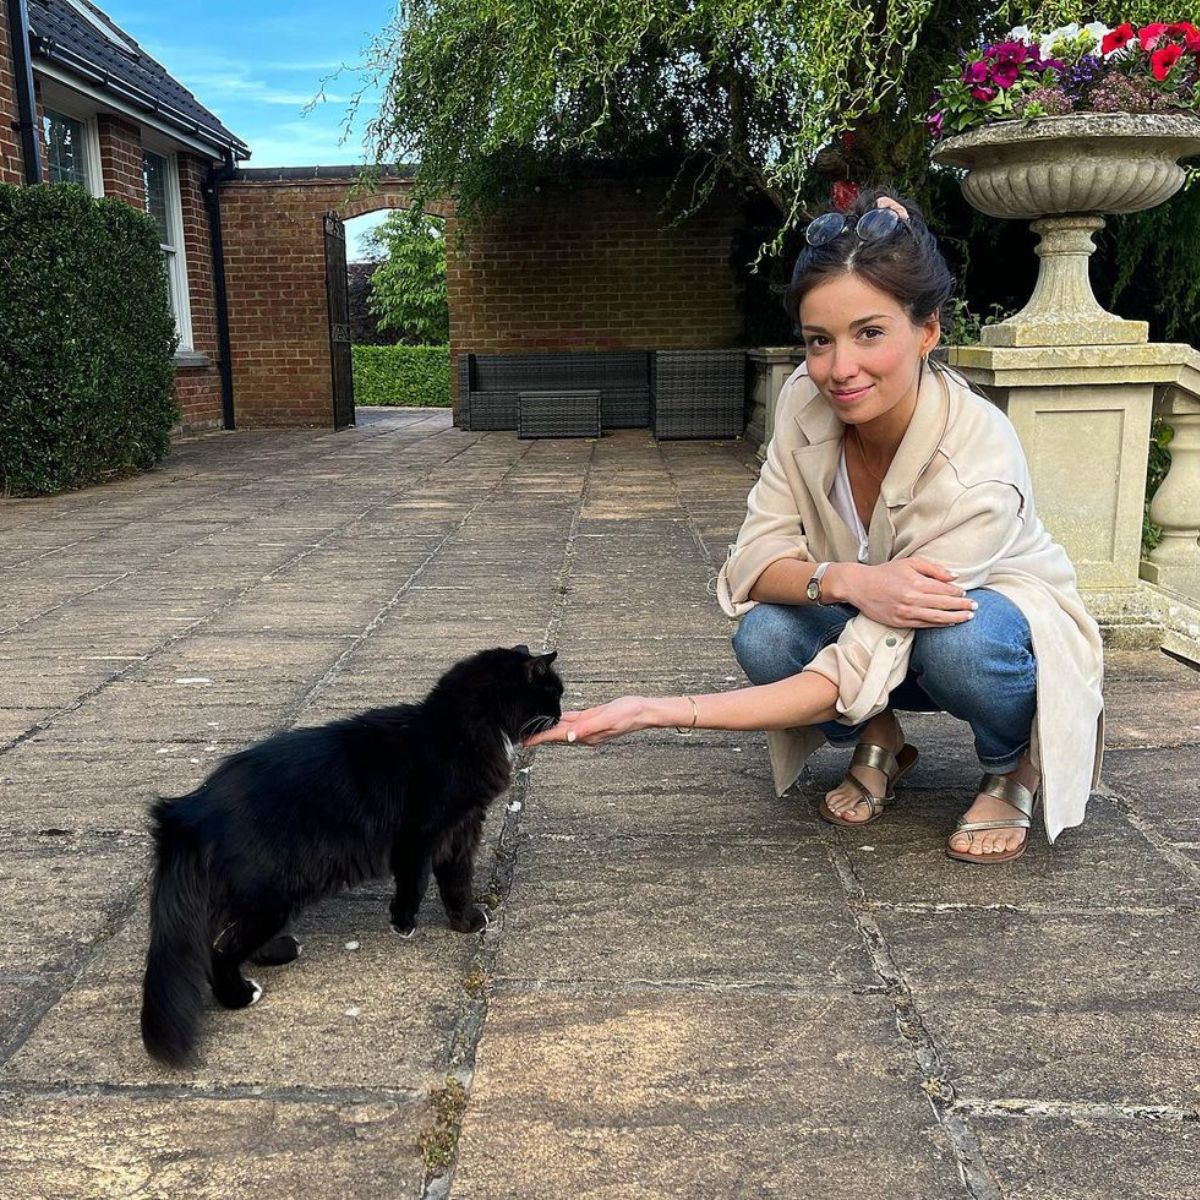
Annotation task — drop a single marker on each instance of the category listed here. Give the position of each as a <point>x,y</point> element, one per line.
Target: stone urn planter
<point>1063,174</point>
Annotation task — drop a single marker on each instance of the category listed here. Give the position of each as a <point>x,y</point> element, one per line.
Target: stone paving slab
<point>1091,1007</point>
<point>718,910</point>
<point>696,1095</point>
<point>691,987</point>
<point>60,892</point>
<point>104,1145</point>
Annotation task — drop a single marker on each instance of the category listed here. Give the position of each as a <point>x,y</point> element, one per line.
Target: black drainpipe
<point>212,198</point>
<point>26,123</point>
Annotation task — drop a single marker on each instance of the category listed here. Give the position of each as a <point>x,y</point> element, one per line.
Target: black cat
<point>311,811</point>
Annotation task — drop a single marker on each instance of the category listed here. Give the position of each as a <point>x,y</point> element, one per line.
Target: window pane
<point>64,148</point>
<point>169,262</point>
<point>154,172</point>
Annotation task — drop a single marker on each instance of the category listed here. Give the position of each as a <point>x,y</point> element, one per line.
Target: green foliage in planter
<point>86,340</point>
<point>1160,463</point>
<point>406,376</point>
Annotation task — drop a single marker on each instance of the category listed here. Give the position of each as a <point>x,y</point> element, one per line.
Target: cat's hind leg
<point>282,948</point>
<point>233,946</point>
<point>454,868</point>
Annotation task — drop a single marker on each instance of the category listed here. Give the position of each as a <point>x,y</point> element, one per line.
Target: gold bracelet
<point>695,717</point>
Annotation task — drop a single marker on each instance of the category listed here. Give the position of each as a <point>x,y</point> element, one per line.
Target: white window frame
<point>52,103</point>
<point>177,271</point>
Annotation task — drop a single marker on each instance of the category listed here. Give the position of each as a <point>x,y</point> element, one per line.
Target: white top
<point>842,499</point>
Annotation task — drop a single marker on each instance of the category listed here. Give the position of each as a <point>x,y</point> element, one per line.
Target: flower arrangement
<point>1075,68</point>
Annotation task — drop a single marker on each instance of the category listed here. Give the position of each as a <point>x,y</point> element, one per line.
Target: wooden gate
<point>338,291</point>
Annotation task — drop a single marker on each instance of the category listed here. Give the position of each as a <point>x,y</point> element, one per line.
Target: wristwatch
<point>813,590</point>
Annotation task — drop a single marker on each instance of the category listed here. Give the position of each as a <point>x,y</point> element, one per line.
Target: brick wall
<point>11,159</point>
<point>121,159</point>
<point>278,314</point>
<point>273,231</point>
<point>591,270</point>
<point>594,269</point>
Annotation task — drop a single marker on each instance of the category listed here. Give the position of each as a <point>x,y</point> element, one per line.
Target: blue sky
<point>257,63</point>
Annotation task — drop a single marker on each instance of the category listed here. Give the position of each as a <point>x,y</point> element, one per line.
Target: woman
<point>891,559</point>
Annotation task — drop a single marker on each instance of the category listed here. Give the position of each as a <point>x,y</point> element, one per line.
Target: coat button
<point>890,641</point>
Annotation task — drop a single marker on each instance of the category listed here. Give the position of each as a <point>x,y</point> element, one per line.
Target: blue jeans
<point>981,671</point>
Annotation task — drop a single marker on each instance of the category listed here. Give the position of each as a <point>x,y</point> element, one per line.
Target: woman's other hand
<point>593,726</point>
<point>908,593</point>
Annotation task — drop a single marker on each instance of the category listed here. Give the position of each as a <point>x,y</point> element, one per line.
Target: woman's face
<point>863,351</point>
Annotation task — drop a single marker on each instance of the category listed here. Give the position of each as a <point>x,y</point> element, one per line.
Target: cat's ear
<point>521,649</point>
<point>539,664</point>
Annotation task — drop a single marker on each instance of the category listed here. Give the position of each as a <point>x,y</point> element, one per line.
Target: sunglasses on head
<point>872,226</point>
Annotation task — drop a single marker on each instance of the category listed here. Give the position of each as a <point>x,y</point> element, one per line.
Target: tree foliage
<point>408,287</point>
<point>490,98</point>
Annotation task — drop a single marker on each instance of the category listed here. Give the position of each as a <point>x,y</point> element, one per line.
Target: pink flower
<point>983,94</point>
<point>1148,35</point>
<point>1005,75</point>
<point>1010,52</point>
<point>1161,61</point>
<point>976,72</point>
<point>934,124</point>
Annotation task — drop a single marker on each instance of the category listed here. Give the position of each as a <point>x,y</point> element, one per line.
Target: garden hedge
<point>86,340</point>
<point>406,376</point>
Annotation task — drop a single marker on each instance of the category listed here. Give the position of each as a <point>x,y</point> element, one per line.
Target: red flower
<point>1191,43</point>
<point>983,93</point>
<point>1116,39</point>
<point>1185,27</point>
<point>1161,61</point>
<point>845,192</point>
<point>1148,35</point>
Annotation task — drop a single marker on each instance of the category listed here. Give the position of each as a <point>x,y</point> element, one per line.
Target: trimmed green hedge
<point>86,340</point>
<point>405,376</point>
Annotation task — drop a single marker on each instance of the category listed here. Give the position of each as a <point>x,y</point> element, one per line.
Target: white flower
<point>1097,31</point>
<point>1020,34</point>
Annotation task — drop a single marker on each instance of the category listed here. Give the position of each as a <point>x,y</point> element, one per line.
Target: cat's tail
<point>178,960</point>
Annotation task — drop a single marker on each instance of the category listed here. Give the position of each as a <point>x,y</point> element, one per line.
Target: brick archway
<point>272,227</point>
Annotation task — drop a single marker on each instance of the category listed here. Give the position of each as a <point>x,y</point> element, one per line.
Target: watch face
<point>814,590</point>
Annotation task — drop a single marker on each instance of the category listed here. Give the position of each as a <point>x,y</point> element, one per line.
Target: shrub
<point>408,376</point>
<point>86,340</point>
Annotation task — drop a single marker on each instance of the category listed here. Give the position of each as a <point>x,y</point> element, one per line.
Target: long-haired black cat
<point>311,811</point>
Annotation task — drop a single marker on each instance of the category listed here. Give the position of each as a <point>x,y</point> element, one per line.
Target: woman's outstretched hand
<point>909,593</point>
<point>592,726</point>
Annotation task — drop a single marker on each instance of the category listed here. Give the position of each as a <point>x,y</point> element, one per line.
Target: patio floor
<point>690,987</point>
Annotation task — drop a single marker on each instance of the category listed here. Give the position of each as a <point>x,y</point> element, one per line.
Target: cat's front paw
<point>471,921</point>
<point>404,929</point>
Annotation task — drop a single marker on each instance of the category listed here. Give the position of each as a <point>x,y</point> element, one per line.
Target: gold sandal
<point>1011,792</point>
<point>894,766</point>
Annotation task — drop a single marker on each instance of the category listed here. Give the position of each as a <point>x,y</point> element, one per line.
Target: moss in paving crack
<point>438,1144</point>
<point>475,983</point>
<point>489,900</point>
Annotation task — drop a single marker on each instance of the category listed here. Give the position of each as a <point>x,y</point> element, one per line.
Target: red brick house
<point>104,114</point>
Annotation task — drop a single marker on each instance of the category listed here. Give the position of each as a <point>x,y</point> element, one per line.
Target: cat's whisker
<point>536,725</point>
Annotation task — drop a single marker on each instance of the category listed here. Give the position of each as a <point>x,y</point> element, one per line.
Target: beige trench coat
<point>958,493</point>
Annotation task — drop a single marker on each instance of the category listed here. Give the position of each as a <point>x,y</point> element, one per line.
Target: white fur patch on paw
<point>487,919</point>
<point>405,936</point>
<point>257,990</point>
